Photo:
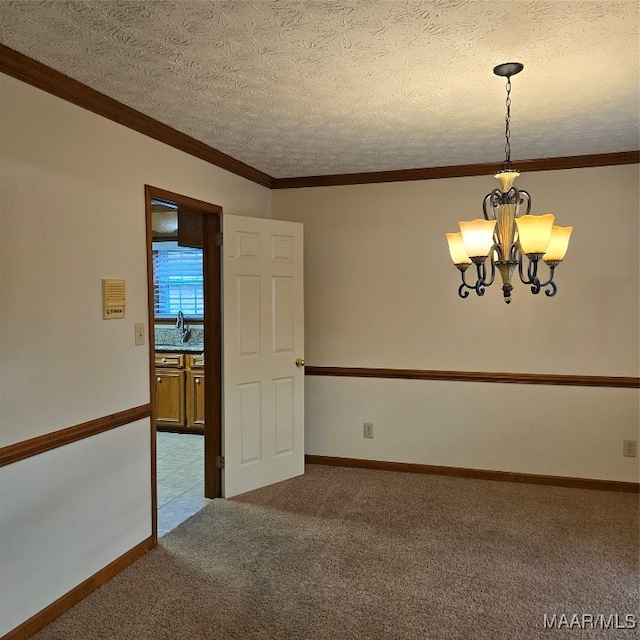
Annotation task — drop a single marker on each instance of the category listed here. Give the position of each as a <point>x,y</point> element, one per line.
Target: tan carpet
<point>353,553</point>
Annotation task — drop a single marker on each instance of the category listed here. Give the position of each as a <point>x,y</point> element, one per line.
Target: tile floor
<point>180,475</point>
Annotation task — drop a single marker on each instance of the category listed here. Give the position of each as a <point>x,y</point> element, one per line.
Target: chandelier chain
<point>506,165</point>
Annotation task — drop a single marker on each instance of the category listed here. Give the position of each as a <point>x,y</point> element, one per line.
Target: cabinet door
<point>195,399</point>
<point>169,397</point>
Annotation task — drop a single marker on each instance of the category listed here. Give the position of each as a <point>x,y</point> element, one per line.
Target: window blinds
<point>177,280</point>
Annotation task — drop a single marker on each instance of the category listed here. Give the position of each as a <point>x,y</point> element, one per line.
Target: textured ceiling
<point>324,87</point>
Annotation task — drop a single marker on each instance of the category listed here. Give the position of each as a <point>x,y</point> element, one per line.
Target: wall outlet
<point>139,329</point>
<point>368,429</point>
<point>629,448</point>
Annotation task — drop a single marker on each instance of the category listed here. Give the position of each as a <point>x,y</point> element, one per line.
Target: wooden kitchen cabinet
<point>170,406</point>
<point>180,392</point>
<point>175,360</point>
<point>195,398</point>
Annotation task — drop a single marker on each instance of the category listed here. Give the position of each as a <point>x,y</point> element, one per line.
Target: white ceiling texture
<point>339,86</point>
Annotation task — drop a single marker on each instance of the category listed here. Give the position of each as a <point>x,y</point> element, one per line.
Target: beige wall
<point>67,513</point>
<point>72,209</point>
<point>381,292</point>
<point>72,213</point>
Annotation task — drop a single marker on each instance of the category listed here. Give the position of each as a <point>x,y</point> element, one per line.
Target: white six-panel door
<point>263,428</point>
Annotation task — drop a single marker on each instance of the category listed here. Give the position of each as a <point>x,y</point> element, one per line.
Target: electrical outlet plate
<point>368,429</point>
<point>629,448</point>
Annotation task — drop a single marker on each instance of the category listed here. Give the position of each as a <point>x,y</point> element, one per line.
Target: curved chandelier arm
<point>517,252</point>
<point>490,203</point>
<point>488,283</point>
<point>511,197</point>
<point>481,281</point>
<point>525,197</point>
<point>461,289</point>
<point>534,281</point>
<point>550,283</point>
<point>554,289</point>
<point>532,272</point>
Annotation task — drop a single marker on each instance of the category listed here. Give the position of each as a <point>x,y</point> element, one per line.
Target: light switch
<point>139,327</point>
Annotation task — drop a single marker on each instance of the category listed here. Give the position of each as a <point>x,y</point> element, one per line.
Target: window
<point>177,280</point>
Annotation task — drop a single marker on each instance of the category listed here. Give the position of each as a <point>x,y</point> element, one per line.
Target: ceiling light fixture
<point>164,218</point>
<point>505,237</point>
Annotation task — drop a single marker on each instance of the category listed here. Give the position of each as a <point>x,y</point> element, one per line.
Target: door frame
<point>213,406</point>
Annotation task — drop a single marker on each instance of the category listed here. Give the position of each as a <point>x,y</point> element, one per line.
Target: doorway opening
<point>185,345</point>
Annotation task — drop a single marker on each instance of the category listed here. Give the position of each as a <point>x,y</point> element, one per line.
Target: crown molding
<point>39,75</point>
<point>459,171</point>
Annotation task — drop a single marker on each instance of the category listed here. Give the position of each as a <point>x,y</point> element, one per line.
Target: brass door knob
<point>299,362</point>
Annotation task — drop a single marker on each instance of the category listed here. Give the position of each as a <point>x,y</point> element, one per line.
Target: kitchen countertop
<point>181,348</point>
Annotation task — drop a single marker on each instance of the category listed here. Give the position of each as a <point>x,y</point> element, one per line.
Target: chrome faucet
<point>183,329</point>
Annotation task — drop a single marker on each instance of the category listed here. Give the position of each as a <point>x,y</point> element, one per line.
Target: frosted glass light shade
<point>164,221</point>
<point>558,244</point>
<point>456,249</point>
<point>534,232</point>
<point>477,237</point>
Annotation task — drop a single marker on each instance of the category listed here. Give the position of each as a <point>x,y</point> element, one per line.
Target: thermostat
<point>113,300</point>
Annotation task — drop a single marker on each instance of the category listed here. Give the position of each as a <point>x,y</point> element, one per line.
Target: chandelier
<point>505,236</point>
